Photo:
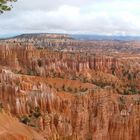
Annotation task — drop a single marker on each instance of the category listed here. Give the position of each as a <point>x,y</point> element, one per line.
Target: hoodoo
<point>51,90</point>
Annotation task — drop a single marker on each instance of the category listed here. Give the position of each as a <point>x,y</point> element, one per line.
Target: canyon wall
<point>100,114</point>
<point>36,59</point>
<point>66,95</point>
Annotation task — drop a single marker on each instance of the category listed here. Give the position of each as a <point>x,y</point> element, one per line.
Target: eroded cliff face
<point>99,114</point>
<point>27,59</point>
<point>64,42</point>
<point>42,61</point>
<point>11,129</point>
<point>68,95</point>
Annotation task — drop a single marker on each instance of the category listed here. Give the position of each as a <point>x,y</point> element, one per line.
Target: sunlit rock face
<point>67,94</point>
<point>20,95</point>
<point>100,114</point>
<point>11,129</point>
<point>43,60</point>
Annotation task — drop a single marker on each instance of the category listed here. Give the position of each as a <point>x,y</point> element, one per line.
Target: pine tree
<point>5,5</point>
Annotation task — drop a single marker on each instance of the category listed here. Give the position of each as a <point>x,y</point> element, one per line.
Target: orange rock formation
<point>68,94</point>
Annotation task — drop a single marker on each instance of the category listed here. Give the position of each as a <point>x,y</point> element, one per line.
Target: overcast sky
<point>110,17</point>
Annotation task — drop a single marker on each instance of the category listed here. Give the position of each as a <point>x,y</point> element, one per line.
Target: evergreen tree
<point>5,5</point>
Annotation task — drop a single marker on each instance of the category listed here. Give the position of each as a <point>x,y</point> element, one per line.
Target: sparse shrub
<point>73,78</point>
<point>61,76</point>
<point>122,100</point>
<point>18,72</point>
<point>63,87</point>
<point>137,101</point>
<point>40,48</point>
<point>37,112</point>
<point>84,80</point>
<point>83,89</point>
<point>39,63</point>
<point>69,89</point>
<point>32,125</point>
<point>17,83</point>
<point>129,76</point>
<point>25,119</point>
<point>113,70</point>
<point>30,72</point>
<point>132,89</point>
<point>126,92</point>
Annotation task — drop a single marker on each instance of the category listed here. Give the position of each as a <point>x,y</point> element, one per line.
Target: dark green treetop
<point>5,5</point>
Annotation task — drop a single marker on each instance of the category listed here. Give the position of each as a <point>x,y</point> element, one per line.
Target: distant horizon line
<point>7,36</point>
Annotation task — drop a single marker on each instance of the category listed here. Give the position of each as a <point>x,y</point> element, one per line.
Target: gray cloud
<point>71,16</point>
